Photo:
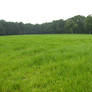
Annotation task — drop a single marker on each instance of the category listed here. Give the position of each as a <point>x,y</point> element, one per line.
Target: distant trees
<point>2,28</point>
<point>53,27</point>
<point>59,26</point>
<point>89,24</point>
<point>75,25</point>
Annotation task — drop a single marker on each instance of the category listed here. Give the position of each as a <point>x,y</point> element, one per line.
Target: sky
<point>40,11</point>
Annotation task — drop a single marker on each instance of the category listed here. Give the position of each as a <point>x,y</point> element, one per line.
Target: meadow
<point>46,63</point>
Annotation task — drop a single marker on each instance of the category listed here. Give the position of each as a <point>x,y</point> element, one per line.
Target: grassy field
<point>46,63</point>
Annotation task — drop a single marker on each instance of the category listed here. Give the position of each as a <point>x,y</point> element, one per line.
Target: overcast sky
<point>40,11</point>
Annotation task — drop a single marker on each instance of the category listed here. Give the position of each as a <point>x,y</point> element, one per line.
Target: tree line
<point>75,25</point>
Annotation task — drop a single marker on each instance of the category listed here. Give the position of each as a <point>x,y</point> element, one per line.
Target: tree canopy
<point>75,25</point>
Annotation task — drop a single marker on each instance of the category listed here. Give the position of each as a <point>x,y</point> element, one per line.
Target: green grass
<point>46,63</point>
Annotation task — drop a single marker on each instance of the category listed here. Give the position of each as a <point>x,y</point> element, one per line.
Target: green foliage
<point>89,24</point>
<point>75,25</point>
<point>46,63</point>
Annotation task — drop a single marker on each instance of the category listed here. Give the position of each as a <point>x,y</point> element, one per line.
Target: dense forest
<point>75,25</point>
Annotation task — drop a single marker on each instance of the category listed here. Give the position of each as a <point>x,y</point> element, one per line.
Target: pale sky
<point>40,11</point>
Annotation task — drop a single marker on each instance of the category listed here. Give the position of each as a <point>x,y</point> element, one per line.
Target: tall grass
<point>46,63</point>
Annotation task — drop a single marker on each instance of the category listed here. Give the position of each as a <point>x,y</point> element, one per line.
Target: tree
<point>89,24</point>
<point>2,28</point>
<point>75,24</point>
